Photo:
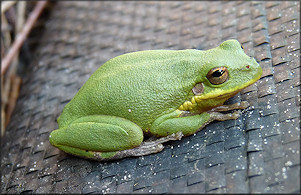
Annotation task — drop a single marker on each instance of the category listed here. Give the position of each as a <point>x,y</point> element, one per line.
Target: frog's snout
<point>252,66</point>
<point>247,67</point>
<point>254,61</point>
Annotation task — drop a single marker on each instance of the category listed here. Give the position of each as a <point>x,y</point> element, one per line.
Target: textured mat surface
<point>259,152</point>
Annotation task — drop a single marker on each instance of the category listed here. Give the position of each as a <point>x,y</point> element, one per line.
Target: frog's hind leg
<point>97,133</point>
<point>147,147</point>
<point>102,137</point>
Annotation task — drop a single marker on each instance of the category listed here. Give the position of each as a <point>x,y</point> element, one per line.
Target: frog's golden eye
<point>218,75</point>
<point>242,47</point>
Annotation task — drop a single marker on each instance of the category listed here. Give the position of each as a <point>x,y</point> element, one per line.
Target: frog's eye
<point>242,47</point>
<point>217,75</point>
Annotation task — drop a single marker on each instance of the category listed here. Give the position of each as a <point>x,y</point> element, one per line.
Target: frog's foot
<point>147,147</point>
<point>152,146</point>
<point>152,141</point>
<point>223,117</point>
<point>239,105</point>
<point>220,117</point>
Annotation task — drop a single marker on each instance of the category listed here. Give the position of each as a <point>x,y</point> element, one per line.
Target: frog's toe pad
<point>244,104</point>
<point>234,115</point>
<point>178,135</point>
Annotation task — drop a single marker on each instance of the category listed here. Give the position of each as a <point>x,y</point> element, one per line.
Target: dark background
<point>259,152</point>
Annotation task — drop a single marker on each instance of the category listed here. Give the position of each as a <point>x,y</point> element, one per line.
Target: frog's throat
<point>192,104</point>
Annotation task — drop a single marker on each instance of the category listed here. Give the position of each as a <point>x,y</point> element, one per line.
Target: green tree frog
<point>164,94</point>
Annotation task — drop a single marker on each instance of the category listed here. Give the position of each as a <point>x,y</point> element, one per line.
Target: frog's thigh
<point>172,123</point>
<point>100,133</point>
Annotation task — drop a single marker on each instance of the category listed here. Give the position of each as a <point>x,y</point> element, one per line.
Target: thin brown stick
<point>15,88</point>
<point>21,7</point>
<point>22,36</point>
<point>6,5</point>
<point>13,81</point>
<point>6,34</point>
<point>2,123</point>
<point>2,109</point>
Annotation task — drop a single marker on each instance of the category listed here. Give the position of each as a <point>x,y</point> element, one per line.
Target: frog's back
<point>138,86</point>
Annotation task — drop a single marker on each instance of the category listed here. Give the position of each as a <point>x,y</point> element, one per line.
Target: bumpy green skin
<point>141,92</point>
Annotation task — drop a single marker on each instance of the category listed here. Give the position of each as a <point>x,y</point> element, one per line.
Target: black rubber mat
<point>259,152</point>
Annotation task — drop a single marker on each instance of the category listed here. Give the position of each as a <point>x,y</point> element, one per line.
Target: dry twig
<point>10,81</point>
<point>22,35</point>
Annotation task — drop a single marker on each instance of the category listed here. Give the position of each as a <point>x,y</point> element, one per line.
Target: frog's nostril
<point>247,66</point>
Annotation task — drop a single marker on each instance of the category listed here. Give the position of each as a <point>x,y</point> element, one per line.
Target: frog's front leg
<point>239,105</point>
<point>180,121</point>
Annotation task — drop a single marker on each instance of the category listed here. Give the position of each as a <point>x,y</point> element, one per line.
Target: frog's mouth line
<point>189,105</point>
<point>230,94</point>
